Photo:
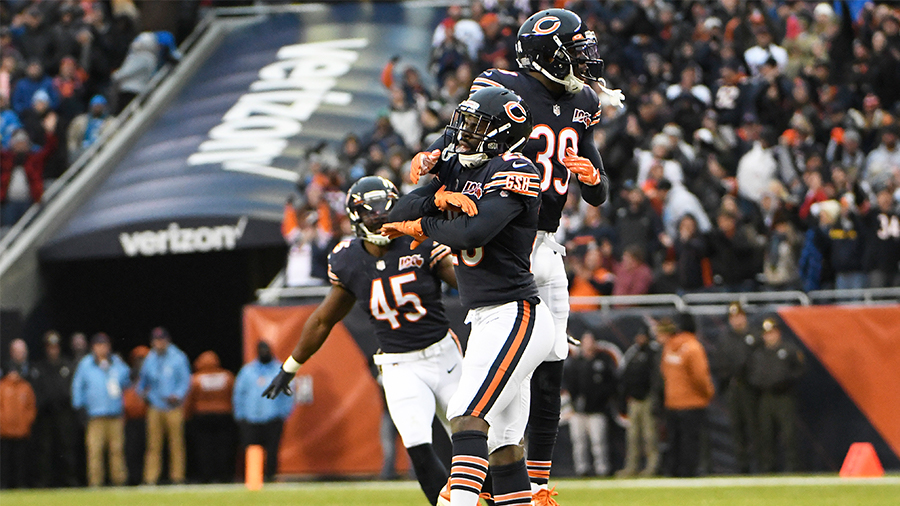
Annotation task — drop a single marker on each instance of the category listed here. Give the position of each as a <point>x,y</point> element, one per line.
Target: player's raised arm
<point>333,309</point>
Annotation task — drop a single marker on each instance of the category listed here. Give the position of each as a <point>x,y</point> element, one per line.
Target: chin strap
<point>473,160</point>
<point>616,97</point>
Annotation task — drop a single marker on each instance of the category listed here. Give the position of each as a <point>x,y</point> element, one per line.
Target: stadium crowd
<point>757,149</point>
<point>67,67</point>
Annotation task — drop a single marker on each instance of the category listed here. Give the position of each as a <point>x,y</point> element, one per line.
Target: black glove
<point>280,383</point>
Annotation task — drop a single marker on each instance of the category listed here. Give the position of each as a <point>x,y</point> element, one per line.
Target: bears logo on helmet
<point>556,43</point>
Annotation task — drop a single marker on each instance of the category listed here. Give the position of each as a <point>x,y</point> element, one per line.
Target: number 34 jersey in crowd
<point>559,123</point>
<point>401,290</point>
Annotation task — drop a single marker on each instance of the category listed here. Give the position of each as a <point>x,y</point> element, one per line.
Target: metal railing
<point>276,293</point>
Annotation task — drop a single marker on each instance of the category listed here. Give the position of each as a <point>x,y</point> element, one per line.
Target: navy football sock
<point>511,485</point>
<point>543,420</point>
<point>430,471</point>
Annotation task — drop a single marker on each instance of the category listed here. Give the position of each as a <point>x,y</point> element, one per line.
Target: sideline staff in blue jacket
<point>260,420</point>
<point>164,382</point>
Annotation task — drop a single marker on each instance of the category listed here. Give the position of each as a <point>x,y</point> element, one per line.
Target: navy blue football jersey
<point>401,290</point>
<point>492,248</point>
<point>559,123</point>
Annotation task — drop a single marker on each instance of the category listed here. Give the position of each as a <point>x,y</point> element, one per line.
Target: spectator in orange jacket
<point>135,418</point>
<point>688,391</point>
<point>17,412</point>
<point>208,407</point>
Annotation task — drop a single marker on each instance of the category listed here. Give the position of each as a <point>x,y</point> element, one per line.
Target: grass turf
<point>794,491</point>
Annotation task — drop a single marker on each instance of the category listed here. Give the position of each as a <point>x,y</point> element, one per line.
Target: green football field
<point>764,491</point>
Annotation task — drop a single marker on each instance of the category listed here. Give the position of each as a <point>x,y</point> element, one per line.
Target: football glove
<point>454,201</point>
<point>396,229</point>
<point>280,383</point>
<point>422,164</point>
<point>581,167</point>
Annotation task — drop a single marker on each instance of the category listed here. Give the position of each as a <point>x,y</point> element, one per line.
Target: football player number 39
<point>383,310</point>
<point>556,147</point>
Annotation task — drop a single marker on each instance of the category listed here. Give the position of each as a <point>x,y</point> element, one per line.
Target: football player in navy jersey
<point>491,227</point>
<point>557,54</point>
<point>400,287</point>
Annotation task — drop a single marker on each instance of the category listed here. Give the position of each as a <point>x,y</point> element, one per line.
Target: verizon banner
<point>213,169</point>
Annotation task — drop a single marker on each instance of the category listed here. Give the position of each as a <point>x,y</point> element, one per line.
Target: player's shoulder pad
<point>493,77</point>
<point>340,259</point>
<point>517,174</point>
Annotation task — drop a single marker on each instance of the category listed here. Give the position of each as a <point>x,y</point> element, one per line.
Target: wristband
<point>291,365</point>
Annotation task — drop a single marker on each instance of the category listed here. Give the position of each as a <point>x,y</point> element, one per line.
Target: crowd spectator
<point>18,409</point>
<point>97,393</point>
<point>260,420</point>
<point>773,370</point>
<point>639,386</point>
<point>22,172</point>
<point>55,423</point>
<point>135,418</point>
<point>590,380</point>
<point>87,127</point>
<point>632,275</point>
<point>208,408</point>
<point>164,382</point>
<point>734,350</point>
<point>687,394</point>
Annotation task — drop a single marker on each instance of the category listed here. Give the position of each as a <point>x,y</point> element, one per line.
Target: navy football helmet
<point>369,201</point>
<point>556,43</point>
<point>492,121</point>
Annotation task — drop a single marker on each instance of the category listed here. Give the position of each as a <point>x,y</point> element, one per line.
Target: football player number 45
<point>383,310</point>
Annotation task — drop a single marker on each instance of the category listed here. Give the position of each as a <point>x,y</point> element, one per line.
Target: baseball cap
<point>100,337</point>
<point>51,337</point>
<point>159,333</point>
<point>769,324</point>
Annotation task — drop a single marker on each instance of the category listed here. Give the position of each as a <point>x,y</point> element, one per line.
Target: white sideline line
<point>597,484</point>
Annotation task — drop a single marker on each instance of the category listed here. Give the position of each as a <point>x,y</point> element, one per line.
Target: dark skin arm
<point>333,309</point>
<point>446,272</point>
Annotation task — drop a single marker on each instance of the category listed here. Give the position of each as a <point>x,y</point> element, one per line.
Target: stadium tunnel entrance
<point>198,297</point>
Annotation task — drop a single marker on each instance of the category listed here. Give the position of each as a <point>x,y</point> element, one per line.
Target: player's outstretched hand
<point>280,383</point>
<point>422,164</point>
<point>454,201</point>
<point>581,167</point>
<point>413,229</point>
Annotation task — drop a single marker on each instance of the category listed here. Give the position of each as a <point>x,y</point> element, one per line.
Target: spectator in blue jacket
<point>164,382</point>
<point>260,420</point>
<point>97,389</point>
<point>27,86</point>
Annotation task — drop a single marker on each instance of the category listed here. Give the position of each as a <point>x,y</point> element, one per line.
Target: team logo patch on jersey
<point>380,265</point>
<point>580,116</point>
<point>556,109</point>
<point>472,188</point>
<point>411,261</point>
